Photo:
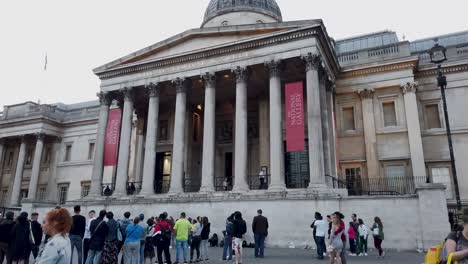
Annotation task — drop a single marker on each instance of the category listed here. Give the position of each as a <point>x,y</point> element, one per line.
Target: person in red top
<point>352,239</point>
<point>162,237</point>
<point>343,236</point>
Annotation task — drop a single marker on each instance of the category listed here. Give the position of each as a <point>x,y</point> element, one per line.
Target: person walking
<point>378,233</point>
<point>57,224</point>
<point>110,252</point>
<point>20,247</point>
<point>149,245</point>
<point>352,239</point>
<point>182,228</point>
<point>239,229</point>
<point>205,236</point>
<point>87,235</point>
<point>142,238</point>
<point>36,230</point>
<point>320,231</point>
<point>6,226</point>
<point>123,224</point>
<point>77,233</point>
<point>363,235</point>
<point>196,240</point>
<point>227,247</point>
<point>336,243</point>
<point>98,230</point>
<point>131,248</point>
<point>163,235</point>
<point>260,230</point>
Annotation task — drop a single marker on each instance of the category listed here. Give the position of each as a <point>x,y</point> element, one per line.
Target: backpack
<point>166,233</point>
<point>434,254</point>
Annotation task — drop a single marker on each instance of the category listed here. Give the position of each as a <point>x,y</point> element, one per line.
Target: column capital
<point>409,87</point>
<point>40,136</point>
<point>104,98</point>
<point>274,68</point>
<point>312,61</point>
<point>127,93</point>
<point>241,73</point>
<point>209,78</point>
<point>366,93</point>
<point>180,85</point>
<point>153,89</point>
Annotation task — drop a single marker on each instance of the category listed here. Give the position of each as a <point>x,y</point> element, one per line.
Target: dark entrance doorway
<point>162,177</point>
<point>228,165</point>
<point>297,168</point>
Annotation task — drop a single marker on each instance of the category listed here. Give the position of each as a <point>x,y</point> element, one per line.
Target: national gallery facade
<point>250,111</point>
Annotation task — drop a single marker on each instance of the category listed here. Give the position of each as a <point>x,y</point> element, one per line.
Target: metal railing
<point>162,186</point>
<point>256,182</point>
<point>190,186</point>
<point>133,188</point>
<point>295,183</point>
<point>379,185</point>
<point>107,189</point>
<point>223,184</point>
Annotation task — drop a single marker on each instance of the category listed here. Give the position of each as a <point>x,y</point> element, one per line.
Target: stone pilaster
<point>414,129</point>
<point>149,166</point>
<point>98,165</point>
<point>209,123</point>
<point>241,135</point>
<point>370,138</point>
<point>36,168</point>
<point>124,146</point>
<point>325,125</point>
<point>314,121</point>
<point>177,174</point>
<point>277,182</point>
<point>15,192</point>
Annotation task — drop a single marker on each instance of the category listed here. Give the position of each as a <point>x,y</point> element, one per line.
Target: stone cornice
<point>234,48</point>
<point>445,69</point>
<point>379,69</point>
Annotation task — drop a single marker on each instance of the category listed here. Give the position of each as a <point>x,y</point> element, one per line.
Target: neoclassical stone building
<point>188,124</point>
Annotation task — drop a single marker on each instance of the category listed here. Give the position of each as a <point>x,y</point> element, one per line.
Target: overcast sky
<point>81,35</point>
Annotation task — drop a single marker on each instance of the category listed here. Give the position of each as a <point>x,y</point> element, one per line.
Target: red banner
<point>111,146</point>
<point>294,117</point>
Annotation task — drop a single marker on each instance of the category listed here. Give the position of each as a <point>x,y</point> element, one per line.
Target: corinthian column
<point>209,134</point>
<point>36,169</point>
<point>149,167</point>
<point>124,146</point>
<point>179,138</point>
<point>15,192</point>
<point>414,129</point>
<point>241,139</point>
<point>314,122</point>
<point>98,165</point>
<point>370,138</point>
<point>276,130</point>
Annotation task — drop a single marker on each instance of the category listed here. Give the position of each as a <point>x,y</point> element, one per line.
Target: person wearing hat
<point>457,242</point>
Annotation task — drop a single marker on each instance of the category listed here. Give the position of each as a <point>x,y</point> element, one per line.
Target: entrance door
<point>162,175</point>
<point>297,168</point>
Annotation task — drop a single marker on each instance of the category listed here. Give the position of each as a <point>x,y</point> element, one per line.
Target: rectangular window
<point>389,114</point>
<point>91,151</point>
<point>62,194</point>
<point>11,154</point>
<point>46,157</point>
<point>163,130</point>
<point>432,116</point>
<point>29,156</point>
<point>85,187</point>
<point>348,119</point>
<point>41,195</point>
<point>68,149</point>
<point>353,181</point>
<point>395,171</point>
<point>442,175</point>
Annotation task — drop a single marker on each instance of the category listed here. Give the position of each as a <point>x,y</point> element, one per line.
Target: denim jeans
<point>321,247</point>
<point>227,247</point>
<point>131,252</point>
<point>204,249</point>
<point>182,246</point>
<point>76,241</point>
<point>142,251</point>
<point>259,245</point>
<point>94,257</point>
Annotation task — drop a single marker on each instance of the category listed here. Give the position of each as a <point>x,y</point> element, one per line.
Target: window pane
<point>389,114</point>
<point>91,151</point>
<point>67,153</point>
<point>395,171</point>
<point>432,116</point>
<point>442,175</point>
<point>348,119</point>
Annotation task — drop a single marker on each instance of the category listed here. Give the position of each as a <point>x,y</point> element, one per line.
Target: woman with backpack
<point>378,233</point>
<point>149,245</point>
<point>162,238</point>
<point>205,235</point>
<point>196,240</point>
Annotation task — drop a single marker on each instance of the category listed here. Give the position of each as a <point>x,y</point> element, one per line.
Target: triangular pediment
<point>197,40</point>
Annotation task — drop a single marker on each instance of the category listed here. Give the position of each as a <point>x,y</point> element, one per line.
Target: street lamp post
<point>438,55</point>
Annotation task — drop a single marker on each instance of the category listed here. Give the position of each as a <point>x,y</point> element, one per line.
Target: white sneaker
<point>365,254</point>
<point>383,254</point>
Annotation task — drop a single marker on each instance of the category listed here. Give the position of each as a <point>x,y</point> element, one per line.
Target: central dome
<point>237,12</point>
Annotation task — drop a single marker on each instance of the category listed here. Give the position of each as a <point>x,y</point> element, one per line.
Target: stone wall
<point>410,222</point>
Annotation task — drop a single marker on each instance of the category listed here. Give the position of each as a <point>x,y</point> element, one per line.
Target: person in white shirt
<point>363,234</point>
<point>87,236</point>
<point>320,226</point>
<point>57,225</point>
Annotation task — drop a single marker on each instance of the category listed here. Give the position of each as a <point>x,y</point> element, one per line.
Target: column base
<point>175,191</point>
<point>240,189</point>
<point>277,188</point>
<point>206,190</point>
<point>320,188</point>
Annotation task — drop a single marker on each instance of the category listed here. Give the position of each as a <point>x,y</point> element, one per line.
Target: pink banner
<point>111,146</point>
<point>294,117</point>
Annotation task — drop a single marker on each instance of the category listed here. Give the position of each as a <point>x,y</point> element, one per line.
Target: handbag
<point>376,231</point>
